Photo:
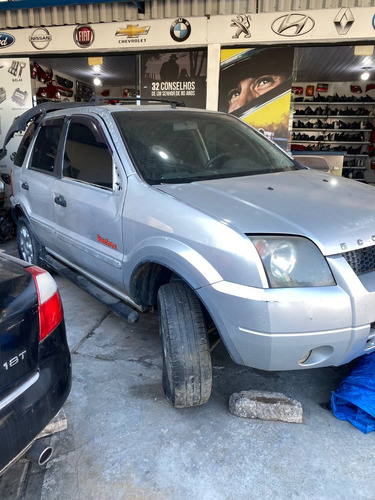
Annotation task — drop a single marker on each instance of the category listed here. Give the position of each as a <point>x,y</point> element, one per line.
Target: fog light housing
<point>317,356</point>
<point>304,358</point>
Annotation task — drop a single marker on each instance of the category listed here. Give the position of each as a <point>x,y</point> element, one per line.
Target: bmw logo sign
<point>180,30</point>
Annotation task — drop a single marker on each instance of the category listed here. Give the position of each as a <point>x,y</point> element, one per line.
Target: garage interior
<point>332,109</point>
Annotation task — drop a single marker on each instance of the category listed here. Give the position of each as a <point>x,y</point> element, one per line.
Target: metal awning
<point>36,4</point>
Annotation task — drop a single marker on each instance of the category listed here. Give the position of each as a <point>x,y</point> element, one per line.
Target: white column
<point>213,75</point>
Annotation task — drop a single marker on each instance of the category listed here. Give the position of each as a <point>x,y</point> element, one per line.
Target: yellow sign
<point>133,31</point>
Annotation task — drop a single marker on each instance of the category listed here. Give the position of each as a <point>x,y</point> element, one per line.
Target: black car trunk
<point>19,327</point>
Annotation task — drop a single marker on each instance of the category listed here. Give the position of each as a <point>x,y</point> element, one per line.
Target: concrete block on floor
<point>265,406</point>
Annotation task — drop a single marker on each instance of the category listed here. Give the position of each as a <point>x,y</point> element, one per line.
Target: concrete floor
<point>124,441</point>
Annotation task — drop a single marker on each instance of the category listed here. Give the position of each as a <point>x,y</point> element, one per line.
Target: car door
<point>88,201</point>
<point>38,179</point>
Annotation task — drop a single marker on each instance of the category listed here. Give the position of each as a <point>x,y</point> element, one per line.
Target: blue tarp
<point>354,399</point>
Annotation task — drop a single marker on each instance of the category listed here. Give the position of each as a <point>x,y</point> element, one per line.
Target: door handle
<point>60,200</point>
<point>24,185</point>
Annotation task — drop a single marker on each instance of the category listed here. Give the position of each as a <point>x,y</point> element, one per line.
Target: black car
<point>35,363</point>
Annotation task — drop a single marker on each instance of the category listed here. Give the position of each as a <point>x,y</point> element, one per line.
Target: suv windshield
<point>185,146</point>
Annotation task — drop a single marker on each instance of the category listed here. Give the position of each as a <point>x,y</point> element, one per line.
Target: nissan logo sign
<point>293,25</point>
<point>6,40</point>
<point>40,38</point>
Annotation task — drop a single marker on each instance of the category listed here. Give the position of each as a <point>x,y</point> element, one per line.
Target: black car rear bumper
<point>24,417</point>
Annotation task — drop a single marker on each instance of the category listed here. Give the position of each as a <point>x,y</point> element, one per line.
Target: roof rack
<point>20,123</point>
<point>124,100</point>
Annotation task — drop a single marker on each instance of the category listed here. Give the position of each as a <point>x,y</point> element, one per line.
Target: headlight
<point>292,261</point>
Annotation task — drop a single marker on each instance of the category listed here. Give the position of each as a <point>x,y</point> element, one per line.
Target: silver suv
<point>197,214</point>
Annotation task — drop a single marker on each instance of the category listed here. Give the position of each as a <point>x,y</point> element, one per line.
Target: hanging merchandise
<point>309,90</point>
<point>84,92</point>
<point>64,82</point>
<point>297,90</point>
<point>322,87</point>
<point>354,400</point>
<point>42,75</point>
<point>49,92</point>
<point>356,89</point>
<point>64,91</point>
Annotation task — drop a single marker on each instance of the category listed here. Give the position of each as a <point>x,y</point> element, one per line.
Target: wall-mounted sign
<point>180,30</point>
<point>176,76</point>
<point>40,38</point>
<point>133,33</point>
<point>255,85</point>
<point>242,25</point>
<point>15,98</point>
<point>293,25</point>
<point>6,40</point>
<point>83,35</point>
<point>343,21</point>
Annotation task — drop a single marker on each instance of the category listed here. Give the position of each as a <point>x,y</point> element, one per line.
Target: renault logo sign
<point>293,25</point>
<point>343,21</point>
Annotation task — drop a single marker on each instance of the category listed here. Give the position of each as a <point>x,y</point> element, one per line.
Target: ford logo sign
<point>6,40</point>
<point>293,25</point>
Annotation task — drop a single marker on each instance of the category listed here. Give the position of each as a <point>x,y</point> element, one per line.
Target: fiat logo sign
<point>6,40</point>
<point>293,25</point>
<point>83,35</point>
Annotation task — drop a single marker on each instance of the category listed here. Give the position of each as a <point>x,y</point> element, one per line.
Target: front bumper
<point>292,328</point>
<point>30,412</point>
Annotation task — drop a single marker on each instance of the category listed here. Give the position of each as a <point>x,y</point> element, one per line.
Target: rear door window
<point>87,156</point>
<point>46,145</point>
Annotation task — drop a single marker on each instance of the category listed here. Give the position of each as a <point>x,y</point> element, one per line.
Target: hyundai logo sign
<point>293,25</point>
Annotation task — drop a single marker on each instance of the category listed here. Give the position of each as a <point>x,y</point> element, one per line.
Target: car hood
<point>329,210</point>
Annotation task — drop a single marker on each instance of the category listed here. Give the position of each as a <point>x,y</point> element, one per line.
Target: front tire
<point>28,247</point>
<point>187,371</point>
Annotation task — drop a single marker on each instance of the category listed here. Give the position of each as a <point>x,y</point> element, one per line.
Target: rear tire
<point>187,371</point>
<point>28,247</point>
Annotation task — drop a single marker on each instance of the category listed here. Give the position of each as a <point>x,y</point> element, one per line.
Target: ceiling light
<point>363,50</point>
<point>365,75</point>
<point>97,81</point>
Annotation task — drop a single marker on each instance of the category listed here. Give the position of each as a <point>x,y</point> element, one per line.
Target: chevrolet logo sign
<point>133,31</point>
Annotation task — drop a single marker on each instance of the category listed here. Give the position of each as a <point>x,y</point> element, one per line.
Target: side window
<point>87,157</point>
<point>45,148</point>
<point>24,145</point>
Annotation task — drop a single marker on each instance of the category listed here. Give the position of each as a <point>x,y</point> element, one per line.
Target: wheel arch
<point>17,212</point>
<point>155,265</point>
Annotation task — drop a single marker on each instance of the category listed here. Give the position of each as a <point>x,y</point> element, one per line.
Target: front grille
<point>362,260</point>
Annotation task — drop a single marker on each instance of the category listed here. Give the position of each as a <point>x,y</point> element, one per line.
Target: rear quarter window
<point>24,145</point>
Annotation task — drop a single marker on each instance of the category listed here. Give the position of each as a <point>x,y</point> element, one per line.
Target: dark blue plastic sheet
<point>354,399</point>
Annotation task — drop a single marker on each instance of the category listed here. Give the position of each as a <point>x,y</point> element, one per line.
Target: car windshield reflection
<point>170,147</point>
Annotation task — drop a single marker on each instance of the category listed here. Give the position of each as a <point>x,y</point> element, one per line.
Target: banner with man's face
<point>255,85</point>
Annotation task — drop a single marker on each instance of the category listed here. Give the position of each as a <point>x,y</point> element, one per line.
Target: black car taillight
<point>11,182</point>
<point>49,301</point>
